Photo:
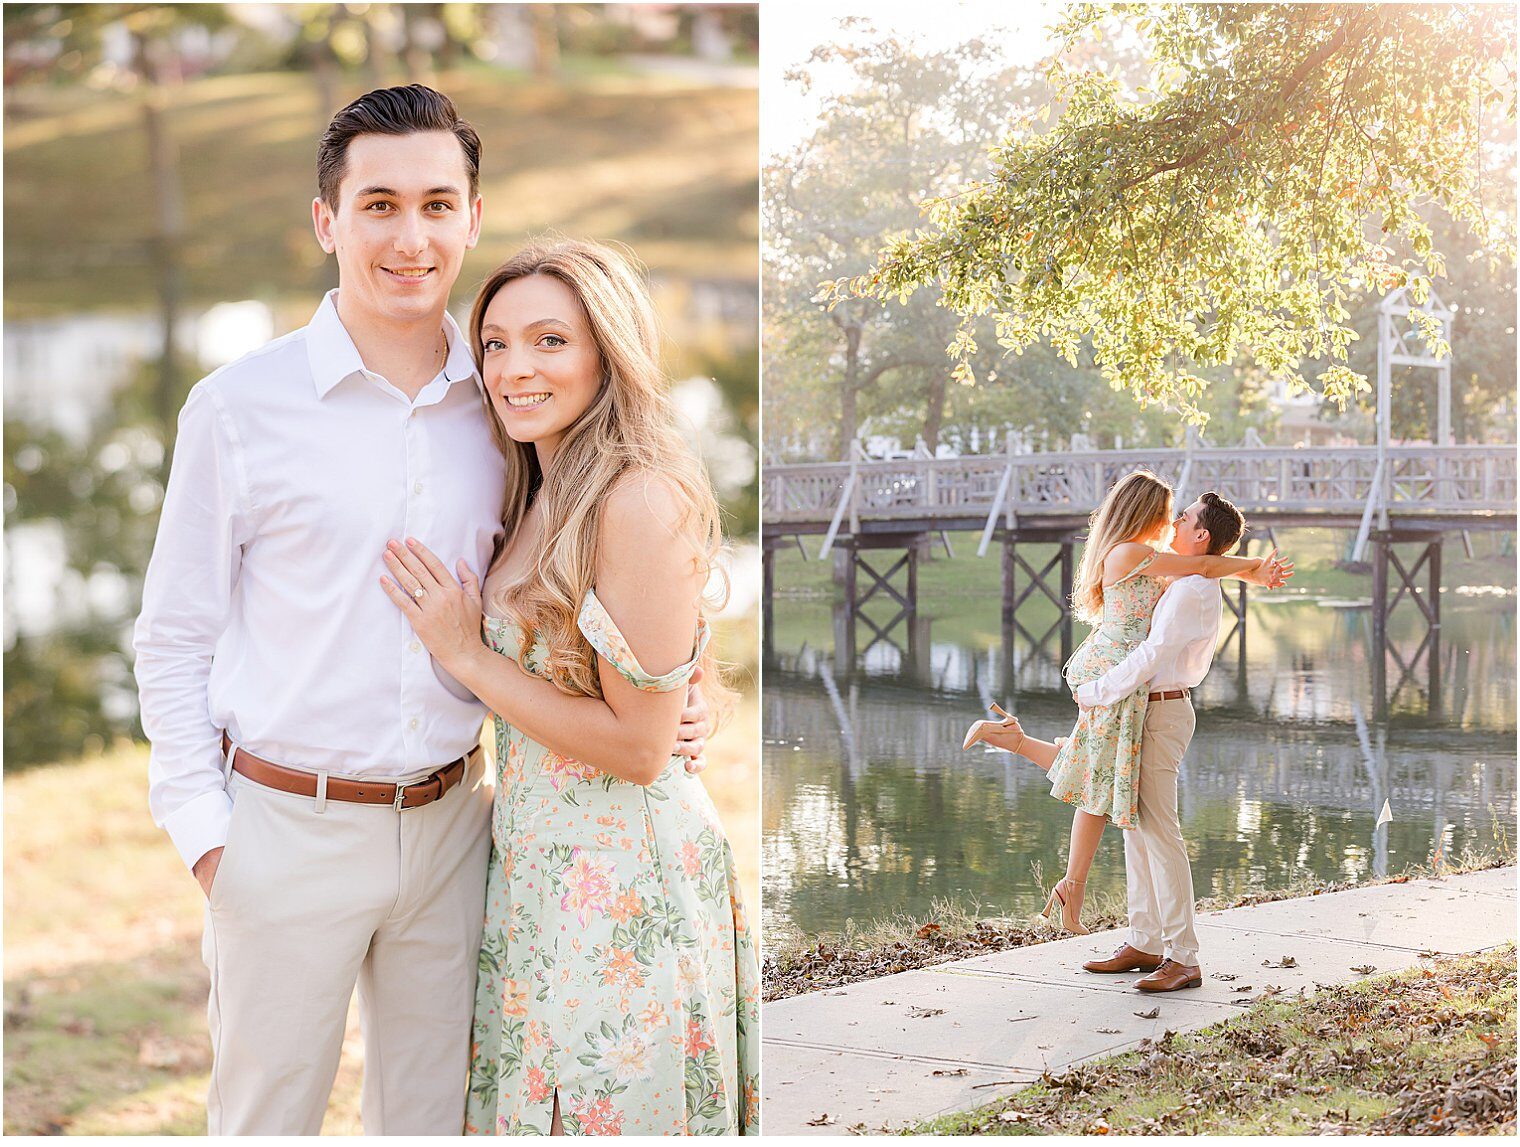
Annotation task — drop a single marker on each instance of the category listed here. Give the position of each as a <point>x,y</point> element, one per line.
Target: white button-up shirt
<point>1177,652</point>
<point>262,610</point>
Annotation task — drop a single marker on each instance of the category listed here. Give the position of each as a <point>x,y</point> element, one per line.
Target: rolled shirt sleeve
<point>1175,623</point>
<point>187,597</point>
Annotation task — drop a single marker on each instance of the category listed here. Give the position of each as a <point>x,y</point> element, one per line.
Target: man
<point>1173,659</point>
<point>315,769</point>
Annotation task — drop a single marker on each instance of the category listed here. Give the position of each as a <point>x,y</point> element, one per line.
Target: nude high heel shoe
<point>1065,919</point>
<point>980,729</point>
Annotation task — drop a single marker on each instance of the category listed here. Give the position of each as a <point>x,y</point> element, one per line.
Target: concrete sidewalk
<point>923,1043</point>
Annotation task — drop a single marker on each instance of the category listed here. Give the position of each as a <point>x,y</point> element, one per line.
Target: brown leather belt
<point>1167,695</point>
<point>412,794</point>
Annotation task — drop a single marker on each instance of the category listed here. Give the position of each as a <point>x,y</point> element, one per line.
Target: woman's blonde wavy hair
<point>630,428</point>
<point>1137,504</point>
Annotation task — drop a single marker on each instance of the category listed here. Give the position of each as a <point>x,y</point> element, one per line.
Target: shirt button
<point>416,647</point>
<point>417,489</point>
<point>413,723</point>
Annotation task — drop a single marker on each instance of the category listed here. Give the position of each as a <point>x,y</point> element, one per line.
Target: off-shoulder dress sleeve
<point>605,637</point>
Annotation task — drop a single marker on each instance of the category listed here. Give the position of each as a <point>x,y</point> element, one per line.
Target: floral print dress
<point>1098,767</point>
<point>617,967</point>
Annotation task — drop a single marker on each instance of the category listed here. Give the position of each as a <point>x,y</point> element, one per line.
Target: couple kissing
<point>1154,614</point>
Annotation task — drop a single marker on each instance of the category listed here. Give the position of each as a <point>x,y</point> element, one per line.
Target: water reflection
<point>871,808</point>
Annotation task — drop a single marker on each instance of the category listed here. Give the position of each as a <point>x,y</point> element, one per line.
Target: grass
<point>1427,1051</point>
<point>1316,553</point>
<point>660,163</point>
<point>105,992</point>
<point>797,962</point>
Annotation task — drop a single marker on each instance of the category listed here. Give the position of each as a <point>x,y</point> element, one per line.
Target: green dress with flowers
<point>617,967</point>
<point>1098,767</point>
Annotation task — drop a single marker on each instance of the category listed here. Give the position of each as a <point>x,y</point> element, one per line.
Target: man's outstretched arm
<point>187,596</point>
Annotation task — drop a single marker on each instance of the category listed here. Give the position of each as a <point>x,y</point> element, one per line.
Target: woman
<point>618,990</point>
<point>1121,577</point>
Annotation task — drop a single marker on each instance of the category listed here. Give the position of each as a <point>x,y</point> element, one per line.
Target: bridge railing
<point>1331,479</point>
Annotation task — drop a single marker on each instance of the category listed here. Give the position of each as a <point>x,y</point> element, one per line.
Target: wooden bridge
<point>1427,487</point>
<point>1390,495</point>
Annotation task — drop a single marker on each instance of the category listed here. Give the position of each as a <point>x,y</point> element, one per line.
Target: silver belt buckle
<point>400,793</point>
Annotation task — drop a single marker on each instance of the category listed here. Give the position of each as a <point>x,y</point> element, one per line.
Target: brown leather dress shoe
<point>1126,959</point>
<point>1171,977</point>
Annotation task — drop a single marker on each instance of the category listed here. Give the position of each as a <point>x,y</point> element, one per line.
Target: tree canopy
<point>1281,160</point>
<point>913,125</point>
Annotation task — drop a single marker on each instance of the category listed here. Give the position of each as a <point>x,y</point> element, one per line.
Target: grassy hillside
<point>654,161</point>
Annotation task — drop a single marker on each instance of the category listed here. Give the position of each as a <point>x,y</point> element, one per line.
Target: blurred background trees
<point>159,170</point>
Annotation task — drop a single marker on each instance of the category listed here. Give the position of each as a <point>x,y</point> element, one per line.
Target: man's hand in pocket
<point>205,870</point>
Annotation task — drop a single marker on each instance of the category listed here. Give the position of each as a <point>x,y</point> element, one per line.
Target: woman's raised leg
<point>1009,736</point>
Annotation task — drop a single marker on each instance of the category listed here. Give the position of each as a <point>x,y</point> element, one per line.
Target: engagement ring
<point>417,593</point>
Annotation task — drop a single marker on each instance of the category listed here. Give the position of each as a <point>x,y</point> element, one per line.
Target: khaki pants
<point>313,896</point>
<point>1160,883</point>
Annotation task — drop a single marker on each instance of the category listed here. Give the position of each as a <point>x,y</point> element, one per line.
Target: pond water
<point>871,808</point>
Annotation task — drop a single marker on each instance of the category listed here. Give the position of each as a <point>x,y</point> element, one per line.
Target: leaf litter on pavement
<point>1426,1051</point>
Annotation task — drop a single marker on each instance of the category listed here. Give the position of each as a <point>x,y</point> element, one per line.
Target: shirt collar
<point>333,356</point>
<point>460,363</point>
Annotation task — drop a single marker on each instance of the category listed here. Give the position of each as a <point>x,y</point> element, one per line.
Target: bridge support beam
<point>879,568</point>
<point>1049,580</point>
<point>1392,579</point>
<point>767,598</point>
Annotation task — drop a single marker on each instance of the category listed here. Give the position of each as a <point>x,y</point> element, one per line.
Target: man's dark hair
<point>1222,520</point>
<point>391,111</point>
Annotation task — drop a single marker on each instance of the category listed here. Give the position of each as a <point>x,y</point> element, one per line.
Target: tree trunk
<point>452,47</point>
<point>545,39</point>
<point>934,419</point>
<point>847,417</point>
<point>324,70</point>
<point>373,68</point>
<point>416,55</point>
<point>164,242</point>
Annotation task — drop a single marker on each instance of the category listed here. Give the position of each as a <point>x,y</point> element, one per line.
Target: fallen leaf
<point>1108,1031</point>
<point>917,1013</point>
<point>824,1120</point>
<point>1285,962</point>
<point>1385,816</point>
<point>1490,1038</point>
<point>951,1071</point>
<point>1150,1015</point>
<point>1222,976</point>
<point>927,931</point>
<point>1242,988</point>
<point>1364,969</point>
<point>1011,1117</point>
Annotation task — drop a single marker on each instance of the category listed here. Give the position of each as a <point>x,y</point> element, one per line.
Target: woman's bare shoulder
<point>1123,558</point>
<point>642,502</point>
